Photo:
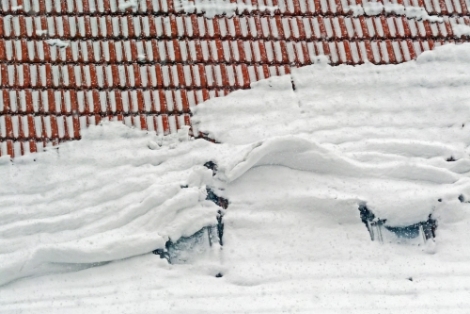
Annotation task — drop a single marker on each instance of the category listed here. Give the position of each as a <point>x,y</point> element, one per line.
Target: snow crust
<point>297,155</point>
<point>398,123</point>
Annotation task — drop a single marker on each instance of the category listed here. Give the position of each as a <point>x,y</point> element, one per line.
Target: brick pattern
<point>285,7</point>
<point>147,65</point>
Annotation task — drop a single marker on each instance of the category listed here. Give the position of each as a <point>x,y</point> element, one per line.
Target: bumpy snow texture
<point>297,156</point>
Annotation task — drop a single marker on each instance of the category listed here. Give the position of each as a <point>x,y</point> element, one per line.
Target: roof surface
<point>67,64</point>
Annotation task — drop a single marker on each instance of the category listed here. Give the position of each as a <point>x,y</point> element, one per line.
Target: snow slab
<point>376,8</point>
<point>297,155</point>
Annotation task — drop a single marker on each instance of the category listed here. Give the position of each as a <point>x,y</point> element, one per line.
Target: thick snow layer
<point>396,123</point>
<point>58,42</point>
<point>124,5</point>
<point>461,30</point>
<point>112,195</point>
<point>297,155</point>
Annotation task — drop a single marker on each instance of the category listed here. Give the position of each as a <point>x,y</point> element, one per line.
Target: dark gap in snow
<point>220,227</point>
<point>184,248</point>
<point>206,137</point>
<point>293,84</point>
<point>212,166</point>
<point>374,225</point>
<point>223,203</point>
<point>181,250</point>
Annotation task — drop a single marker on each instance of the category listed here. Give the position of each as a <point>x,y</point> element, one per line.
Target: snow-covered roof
<point>65,65</point>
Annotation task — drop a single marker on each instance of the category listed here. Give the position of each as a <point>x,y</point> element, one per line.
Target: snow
<point>58,42</point>
<point>211,8</point>
<point>297,154</point>
<point>411,12</point>
<point>460,30</point>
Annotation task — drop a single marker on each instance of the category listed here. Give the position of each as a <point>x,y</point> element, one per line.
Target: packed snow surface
<point>296,156</point>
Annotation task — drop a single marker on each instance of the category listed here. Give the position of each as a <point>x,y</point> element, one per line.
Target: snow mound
<point>110,196</point>
<point>298,154</point>
<point>424,100</point>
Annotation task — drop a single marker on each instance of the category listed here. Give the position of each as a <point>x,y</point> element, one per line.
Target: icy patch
<point>420,13</point>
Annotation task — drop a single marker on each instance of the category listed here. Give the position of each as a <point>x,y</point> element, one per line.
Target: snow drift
<point>297,155</point>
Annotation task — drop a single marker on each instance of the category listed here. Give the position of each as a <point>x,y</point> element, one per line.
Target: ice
<point>91,202</point>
